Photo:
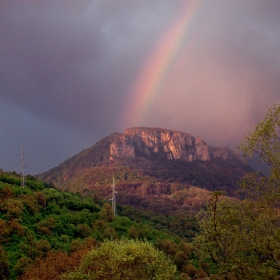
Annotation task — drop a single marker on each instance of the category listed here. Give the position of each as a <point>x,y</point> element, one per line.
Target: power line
<point>38,171</point>
<point>8,160</point>
<point>39,160</point>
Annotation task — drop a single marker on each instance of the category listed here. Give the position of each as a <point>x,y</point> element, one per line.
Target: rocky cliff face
<point>166,144</point>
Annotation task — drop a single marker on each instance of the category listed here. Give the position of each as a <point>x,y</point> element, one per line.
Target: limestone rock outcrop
<point>166,144</point>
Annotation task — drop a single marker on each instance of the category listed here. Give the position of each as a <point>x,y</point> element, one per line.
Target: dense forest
<point>40,224</point>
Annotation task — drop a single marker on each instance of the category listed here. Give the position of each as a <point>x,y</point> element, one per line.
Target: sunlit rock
<point>166,144</point>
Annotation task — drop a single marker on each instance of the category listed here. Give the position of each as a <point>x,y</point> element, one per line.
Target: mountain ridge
<point>167,144</point>
<point>154,156</point>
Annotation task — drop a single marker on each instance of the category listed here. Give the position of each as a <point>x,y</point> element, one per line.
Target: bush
<point>124,260</point>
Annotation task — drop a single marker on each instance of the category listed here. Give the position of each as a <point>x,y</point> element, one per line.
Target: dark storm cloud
<point>70,66</point>
<point>73,63</point>
<point>45,55</point>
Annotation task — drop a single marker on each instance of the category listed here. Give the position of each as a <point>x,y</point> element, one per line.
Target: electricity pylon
<point>22,178</point>
<point>114,199</point>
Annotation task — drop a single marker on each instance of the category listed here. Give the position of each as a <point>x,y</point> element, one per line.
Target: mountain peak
<point>143,154</point>
<point>166,144</point>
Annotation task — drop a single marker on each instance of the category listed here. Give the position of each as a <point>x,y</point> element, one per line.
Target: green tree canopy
<point>264,141</point>
<point>124,260</point>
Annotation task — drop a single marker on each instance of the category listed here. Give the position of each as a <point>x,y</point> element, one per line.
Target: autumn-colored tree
<point>6,193</point>
<point>106,213</point>
<point>110,233</point>
<point>4,231</point>
<point>132,233</point>
<point>41,198</point>
<point>167,246</point>
<point>22,264</point>
<point>29,202</point>
<point>16,227</point>
<point>4,264</point>
<point>13,208</point>
<point>54,263</point>
<point>46,226</point>
<point>52,266</point>
<point>84,230</point>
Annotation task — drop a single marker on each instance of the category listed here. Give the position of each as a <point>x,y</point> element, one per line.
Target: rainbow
<point>147,86</point>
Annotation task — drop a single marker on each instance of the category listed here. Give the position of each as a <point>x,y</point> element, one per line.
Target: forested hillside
<point>150,156</point>
<point>163,171</point>
<point>40,225</point>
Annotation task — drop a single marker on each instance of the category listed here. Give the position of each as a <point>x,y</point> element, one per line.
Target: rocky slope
<point>167,144</point>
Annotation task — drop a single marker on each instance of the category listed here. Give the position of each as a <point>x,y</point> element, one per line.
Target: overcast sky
<point>69,71</point>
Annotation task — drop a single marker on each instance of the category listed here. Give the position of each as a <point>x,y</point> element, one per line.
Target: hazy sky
<point>72,72</point>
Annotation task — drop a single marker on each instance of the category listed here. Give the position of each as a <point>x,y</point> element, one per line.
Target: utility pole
<point>22,181</point>
<point>114,199</point>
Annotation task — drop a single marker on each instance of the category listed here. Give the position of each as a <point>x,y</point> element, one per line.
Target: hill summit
<point>167,144</point>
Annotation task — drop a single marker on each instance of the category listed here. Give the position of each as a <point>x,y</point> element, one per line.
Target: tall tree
<point>264,141</point>
<point>241,238</point>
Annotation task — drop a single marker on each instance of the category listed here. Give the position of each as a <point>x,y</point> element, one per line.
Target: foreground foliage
<point>264,142</point>
<point>124,260</point>
<point>241,239</point>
